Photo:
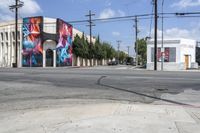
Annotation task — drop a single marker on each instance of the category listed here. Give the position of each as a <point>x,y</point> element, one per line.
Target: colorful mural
<point>64,46</point>
<point>32,41</point>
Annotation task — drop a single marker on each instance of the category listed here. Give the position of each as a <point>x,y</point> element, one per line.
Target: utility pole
<point>90,24</point>
<point>17,5</point>
<point>128,50</point>
<point>136,38</point>
<point>162,48</point>
<point>155,34</point>
<point>118,47</point>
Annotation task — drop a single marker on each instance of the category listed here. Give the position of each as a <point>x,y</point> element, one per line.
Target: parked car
<point>129,61</point>
<point>112,63</point>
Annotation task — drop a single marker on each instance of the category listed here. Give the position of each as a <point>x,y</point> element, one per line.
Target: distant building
<point>41,42</point>
<point>179,54</point>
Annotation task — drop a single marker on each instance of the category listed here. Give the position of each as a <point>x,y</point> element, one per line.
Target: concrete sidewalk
<point>108,117</point>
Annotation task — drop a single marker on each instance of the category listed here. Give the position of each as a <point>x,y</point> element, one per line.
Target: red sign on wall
<point>166,55</point>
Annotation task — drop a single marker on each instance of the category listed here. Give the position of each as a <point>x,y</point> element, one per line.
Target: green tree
<point>98,50</point>
<point>122,56</point>
<point>112,53</point>
<point>106,50</point>
<point>85,47</point>
<point>91,50</point>
<point>77,46</point>
<point>142,50</point>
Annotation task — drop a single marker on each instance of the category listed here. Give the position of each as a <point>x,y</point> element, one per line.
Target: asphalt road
<point>26,88</point>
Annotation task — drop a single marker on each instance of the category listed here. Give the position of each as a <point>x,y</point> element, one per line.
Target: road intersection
<point>87,99</point>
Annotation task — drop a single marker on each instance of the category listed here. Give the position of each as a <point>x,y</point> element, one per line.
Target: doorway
<point>49,55</point>
<point>187,61</point>
<point>49,58</point>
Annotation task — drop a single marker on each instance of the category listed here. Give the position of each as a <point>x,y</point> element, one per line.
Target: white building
<point>7,42</point>
<point>179,54</point>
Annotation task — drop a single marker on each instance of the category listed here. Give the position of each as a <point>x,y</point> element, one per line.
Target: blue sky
<point>70,10</point>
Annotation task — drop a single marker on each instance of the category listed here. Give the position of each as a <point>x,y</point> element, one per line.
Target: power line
<point>110,21</point>
<point>187,13</point>
<point>140,16</point>
<point>132,16</point>
<point>112,18</point>
<point>129,18</point>
<point>144,18</point>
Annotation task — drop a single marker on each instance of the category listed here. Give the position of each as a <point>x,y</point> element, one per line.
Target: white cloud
<point>4,6</point>
<point>109,13</point>
<point>108,3</point>
<point>186,3</point>
<point>5,17</point>
<point>179,33</point>
<point>114,33</point>
<point>121,13</point>
<point>30,7</point>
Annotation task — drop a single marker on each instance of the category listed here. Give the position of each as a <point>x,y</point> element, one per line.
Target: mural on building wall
<point>32,41</point>
<point>64,46</point>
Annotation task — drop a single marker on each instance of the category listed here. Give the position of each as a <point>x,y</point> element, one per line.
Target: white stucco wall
<point>7,44</point>
<point>183,47</point>
<point>188,47</point>
<point>49,25</point>
<point>167,44</point>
